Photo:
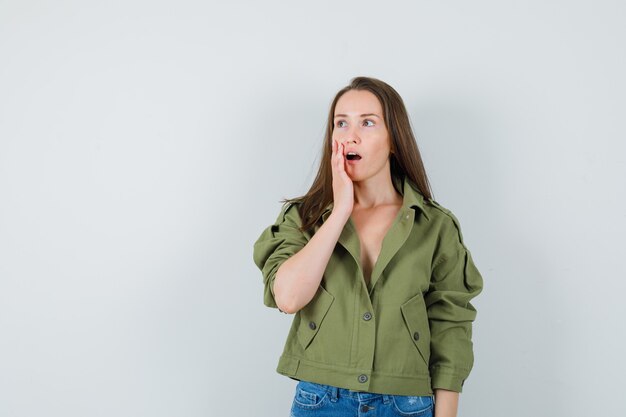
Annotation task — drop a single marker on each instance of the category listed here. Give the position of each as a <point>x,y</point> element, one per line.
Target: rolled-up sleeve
<point>455,280</point>
<point>277,243</point>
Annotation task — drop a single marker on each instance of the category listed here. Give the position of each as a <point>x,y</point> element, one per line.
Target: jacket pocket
<point>416,320</point>
<point>312,316</point>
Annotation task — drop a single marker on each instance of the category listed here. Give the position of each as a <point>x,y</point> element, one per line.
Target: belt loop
<point>386,399</point>
<point>334,393</point>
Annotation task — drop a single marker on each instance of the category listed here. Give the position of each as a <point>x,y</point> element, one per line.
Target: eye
<point>368,121</point>
<point>339,123</point>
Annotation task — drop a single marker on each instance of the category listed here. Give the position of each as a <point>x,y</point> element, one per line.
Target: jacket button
<point>407,216</point>
<point>312,325</point>
<point>367,316</point>
<point>416,336</point>
<point>362,378</point>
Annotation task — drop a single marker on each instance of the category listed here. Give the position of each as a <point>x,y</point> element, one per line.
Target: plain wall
<point>144,145</point>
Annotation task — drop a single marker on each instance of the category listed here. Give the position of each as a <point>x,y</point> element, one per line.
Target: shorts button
<point>367,316</point>
<point>362,378</point>
<point>312,325</point>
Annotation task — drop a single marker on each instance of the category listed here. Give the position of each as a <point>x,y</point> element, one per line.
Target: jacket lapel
<point>397,234</point>
<point>349,238</point>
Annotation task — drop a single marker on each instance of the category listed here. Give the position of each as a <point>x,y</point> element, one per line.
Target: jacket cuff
<point>445,379</point>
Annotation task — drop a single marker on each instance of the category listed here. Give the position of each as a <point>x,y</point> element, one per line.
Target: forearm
<point>299,277</point>
<point>446,403</point>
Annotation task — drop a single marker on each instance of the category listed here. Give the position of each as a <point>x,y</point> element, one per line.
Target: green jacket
<point>410,332</point>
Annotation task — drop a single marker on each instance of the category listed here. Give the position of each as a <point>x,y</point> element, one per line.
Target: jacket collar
<point>411,197</point>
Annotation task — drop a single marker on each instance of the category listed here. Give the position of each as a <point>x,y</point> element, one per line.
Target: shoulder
<point>447,221</point>
<point>289,212</point>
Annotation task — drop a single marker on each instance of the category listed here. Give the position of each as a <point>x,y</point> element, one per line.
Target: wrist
<point>446,403</point>
<point>339,216</point>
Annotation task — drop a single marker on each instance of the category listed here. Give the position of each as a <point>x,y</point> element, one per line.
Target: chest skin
<point>372,225</point>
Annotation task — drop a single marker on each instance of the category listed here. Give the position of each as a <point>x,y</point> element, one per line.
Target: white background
<point>144,145</point>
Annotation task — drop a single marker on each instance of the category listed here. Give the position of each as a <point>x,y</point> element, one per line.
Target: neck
<point>376,191</point>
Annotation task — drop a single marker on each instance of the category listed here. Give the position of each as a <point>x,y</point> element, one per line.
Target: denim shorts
<point>313,399</point>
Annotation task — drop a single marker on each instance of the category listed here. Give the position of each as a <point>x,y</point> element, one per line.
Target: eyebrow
<point>363,115</point>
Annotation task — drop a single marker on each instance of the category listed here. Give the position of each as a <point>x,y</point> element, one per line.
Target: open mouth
<point>353,156</point>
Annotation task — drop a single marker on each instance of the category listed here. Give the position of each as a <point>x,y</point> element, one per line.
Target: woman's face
<point>360,126</point>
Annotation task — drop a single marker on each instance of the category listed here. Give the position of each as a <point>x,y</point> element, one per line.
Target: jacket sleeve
<point>277,243</point>
<point>455,280</point>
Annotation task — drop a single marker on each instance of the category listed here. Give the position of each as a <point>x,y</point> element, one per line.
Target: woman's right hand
<point>343,188</point>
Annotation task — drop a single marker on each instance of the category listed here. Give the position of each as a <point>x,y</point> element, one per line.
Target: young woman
<point>375,271</point>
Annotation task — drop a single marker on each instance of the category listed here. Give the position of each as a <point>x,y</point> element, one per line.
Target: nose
<point>349,134</point>
<point>350,137</point>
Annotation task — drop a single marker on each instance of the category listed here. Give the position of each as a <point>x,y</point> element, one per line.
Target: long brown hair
<point>405,157</point>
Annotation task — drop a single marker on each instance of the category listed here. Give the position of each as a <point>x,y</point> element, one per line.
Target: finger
<point>340,161</point>
<point>335,159</point>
